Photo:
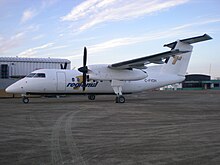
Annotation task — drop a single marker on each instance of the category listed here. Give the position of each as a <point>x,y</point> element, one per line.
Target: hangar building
<point>14,68</point>
<point>195,82</point>
<point>199,81</point>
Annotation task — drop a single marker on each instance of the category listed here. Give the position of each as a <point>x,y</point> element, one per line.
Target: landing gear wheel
<point>91,97</point>
<point>25,100</point>
<point>120,99</point>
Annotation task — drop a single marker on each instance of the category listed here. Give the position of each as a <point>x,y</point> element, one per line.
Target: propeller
<point>84,68</point>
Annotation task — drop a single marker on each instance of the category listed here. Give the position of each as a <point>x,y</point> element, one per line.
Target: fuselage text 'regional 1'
<point>77,85</point>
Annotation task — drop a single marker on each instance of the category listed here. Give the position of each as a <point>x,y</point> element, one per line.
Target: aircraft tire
<point>25,100</point>
<point>120,99</point>
<point>91,97</point>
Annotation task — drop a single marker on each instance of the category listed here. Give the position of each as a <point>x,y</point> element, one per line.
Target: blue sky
<point>112,30</point>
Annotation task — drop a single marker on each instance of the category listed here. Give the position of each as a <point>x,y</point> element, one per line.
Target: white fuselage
<point>57,81</point>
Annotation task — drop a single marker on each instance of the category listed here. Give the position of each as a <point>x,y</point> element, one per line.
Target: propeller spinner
<point>84,68</point>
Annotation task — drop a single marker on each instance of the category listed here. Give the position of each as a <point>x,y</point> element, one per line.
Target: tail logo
<point>175,59</point>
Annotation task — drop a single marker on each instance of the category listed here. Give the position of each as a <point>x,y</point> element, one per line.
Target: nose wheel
<point>25,100</point>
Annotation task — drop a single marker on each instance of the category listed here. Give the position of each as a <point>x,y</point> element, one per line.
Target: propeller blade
<point>84,81</point>
<point>85,57</point>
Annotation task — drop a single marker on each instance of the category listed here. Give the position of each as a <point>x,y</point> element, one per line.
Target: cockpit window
<point>31,75</point>
<point>41,75</point>
<point>36,75</point>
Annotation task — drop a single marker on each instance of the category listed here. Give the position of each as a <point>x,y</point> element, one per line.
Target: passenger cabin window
<point>36,75</point>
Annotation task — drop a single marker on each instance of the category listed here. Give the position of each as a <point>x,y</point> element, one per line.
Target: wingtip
<point>207,36</point>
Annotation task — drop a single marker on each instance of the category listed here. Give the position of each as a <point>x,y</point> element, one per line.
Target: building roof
<point>23,59</point>
<point>197,77</point>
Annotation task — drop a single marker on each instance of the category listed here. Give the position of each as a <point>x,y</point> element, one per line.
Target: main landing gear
<point>91,97</point>
<point>120,99</point>
<point>117,87</point>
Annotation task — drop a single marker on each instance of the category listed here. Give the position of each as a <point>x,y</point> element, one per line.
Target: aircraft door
<point>61,81</point>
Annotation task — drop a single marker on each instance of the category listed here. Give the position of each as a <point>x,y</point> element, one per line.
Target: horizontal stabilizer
<point>190,40</point>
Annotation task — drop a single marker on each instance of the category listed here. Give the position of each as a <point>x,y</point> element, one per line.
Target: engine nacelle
<point>103,72</point>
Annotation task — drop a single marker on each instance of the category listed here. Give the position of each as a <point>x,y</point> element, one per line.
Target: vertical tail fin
<point>178,64</point>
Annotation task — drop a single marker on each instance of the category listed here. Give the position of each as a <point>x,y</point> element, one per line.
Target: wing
<point>139,63</point>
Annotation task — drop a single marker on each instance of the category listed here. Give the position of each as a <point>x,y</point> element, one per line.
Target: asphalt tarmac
<point>151,128</point>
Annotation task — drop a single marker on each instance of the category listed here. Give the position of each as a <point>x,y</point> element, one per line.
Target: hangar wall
<point>15,67</point>
<point>195,82</point>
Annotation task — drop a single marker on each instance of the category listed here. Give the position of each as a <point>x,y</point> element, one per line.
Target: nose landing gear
<point>25,100</point>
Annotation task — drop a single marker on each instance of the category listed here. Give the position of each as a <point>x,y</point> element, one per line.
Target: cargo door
<point>61,81</point>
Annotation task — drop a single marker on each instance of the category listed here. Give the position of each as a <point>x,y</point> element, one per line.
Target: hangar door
<point>61,81</point>
<point>4,71</point>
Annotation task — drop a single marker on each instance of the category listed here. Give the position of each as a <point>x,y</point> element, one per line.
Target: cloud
<point>199,23</point>
<point>175,32</point>
<point>84,9</point>
<point>59,47</point>
<point>7,44</point>
<point>114,43</point>
<point>48,3</point>
<point>131,40</point>
<point>28,15</point>
<point>94,12</point>
<point>178,31</point>
<point>40,36</point>
<point>35,50</point>
<point>125,41</point>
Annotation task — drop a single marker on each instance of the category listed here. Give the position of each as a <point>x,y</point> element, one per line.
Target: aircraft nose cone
<point>9,89</point>
<point>13,89</point>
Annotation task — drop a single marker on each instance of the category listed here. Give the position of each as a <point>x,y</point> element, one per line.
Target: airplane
<point>120,78</point>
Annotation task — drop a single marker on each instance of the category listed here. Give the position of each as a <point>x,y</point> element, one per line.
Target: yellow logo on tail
<point>175,59</point>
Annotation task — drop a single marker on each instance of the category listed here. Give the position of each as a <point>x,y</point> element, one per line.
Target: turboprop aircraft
<point>119,78</point>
